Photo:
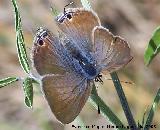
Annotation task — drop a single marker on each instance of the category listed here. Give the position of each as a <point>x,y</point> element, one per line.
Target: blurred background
<point>134,20</point>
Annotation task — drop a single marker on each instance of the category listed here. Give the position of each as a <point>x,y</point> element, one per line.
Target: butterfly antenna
<point>67,6</point>
<point>127,82</point>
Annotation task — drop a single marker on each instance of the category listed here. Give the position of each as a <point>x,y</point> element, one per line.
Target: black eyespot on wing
<point>40,36</point>
<point>66,15</point>
<point>40,42</point>
<point>69,16</point>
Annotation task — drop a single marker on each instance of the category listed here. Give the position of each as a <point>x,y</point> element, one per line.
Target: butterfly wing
<point>66,95</point>
<point>48,54</point>
<point>111,52</point>
<point>64,87</point>
<point>77,24</point>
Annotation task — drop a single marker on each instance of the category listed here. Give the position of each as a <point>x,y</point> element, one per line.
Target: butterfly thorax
<point>87,64</point>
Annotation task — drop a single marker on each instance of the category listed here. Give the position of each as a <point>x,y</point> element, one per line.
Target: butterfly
<point>69,65</point>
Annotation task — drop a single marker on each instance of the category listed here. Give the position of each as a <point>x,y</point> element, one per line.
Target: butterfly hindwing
<point>66,95</point>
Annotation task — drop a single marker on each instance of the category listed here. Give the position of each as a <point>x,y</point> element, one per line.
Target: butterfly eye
<point>69,16</point>
<point>40,42</point>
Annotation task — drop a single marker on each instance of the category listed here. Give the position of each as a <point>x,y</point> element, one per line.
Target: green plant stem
<point>95,100</point>
<point>152,110</point>
<point>22,54</point>
<point>123,101</point>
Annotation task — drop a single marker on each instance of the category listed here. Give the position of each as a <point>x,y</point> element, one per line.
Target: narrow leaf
<point>20,40</point>
<point>123,101</point>
<point>105,111</point>
<point>86,4</point>
<point>7,81</point>
<point>153,47</point>
<point>144,118</point>
<point>28,91</point>
<point>152,111</point>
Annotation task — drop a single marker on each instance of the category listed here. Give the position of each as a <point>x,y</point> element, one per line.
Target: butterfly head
<point>40,36</point>
<point>67,15</point>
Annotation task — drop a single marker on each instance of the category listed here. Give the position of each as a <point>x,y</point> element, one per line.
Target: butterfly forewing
<point>102,40</point>
<point>111,52</point>
<point>49,55</point>
<point>44,55</point>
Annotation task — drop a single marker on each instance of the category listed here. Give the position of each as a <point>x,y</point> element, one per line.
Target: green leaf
<point>123,101</point>
<point>105,111</point>
<point>7,81</point>
<point>28,91</point>
<point>153,47</point>
<point>86,4</point>
<point>143,119</point>
<point>20,40</point>
<point>152,110</point>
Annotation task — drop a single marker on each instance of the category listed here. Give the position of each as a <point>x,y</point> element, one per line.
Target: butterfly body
<point>87,63</point>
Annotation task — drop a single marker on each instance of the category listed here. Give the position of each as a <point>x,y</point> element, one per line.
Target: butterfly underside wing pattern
<point>68,67</point>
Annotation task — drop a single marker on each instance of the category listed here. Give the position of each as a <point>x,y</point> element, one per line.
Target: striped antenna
<point>127,82</point>
<point>67,6</point>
